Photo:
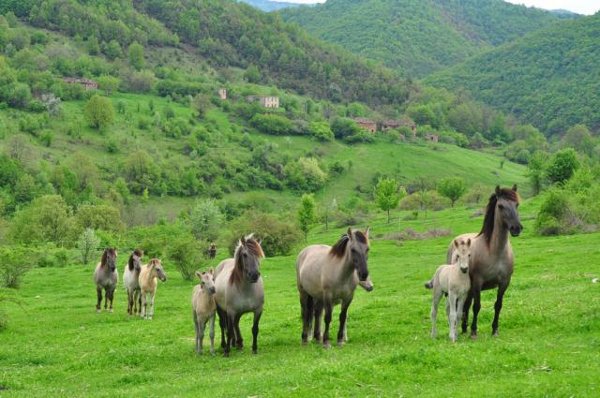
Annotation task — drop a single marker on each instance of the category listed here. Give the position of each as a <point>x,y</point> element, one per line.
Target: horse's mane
<point>136,252</point>
<point>105,256</point>
<point>254,248</point>
<point>490,211</point>
<point>339,248</point>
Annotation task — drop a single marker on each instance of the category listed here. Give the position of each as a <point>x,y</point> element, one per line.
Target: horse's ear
<point>469,242</point>
<point>349,233</point>
<point>514,187</point>
<point>243,240</point>
<point>456,242</point>
<point>498,191</point>
<point>198,274</point>
<point>367,232</point>
<point>211,271</point>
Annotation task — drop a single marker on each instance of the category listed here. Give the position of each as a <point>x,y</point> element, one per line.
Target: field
<point>56,345</point>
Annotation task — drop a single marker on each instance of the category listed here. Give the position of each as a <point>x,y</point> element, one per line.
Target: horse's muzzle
<point>253,278</point>
<point>464,270</point>
<point>516,230</point>
<point>212,290</point>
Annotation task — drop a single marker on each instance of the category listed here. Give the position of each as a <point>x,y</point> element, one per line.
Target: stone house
<point>367,124</point>
<point>223,93</point>
<point>269,102</point>
<point>86,83</point>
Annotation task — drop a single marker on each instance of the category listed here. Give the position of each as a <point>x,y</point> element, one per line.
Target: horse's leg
<point>465,311</point>
<point>328,306</point>
<point>151,312</point>
<point>212,334</point>
<point>437,295</point>
<point>318,306</point>
<point>451,306</point>
<point>144,304</point>
<point>230,332</point>
<point>111,295</point>
<point>476,307</point>
<point>201,326</point>
<point>238,341</point>
<point>139,301</point>
<point>459,308</point>
<point>222,325</point>
<point>99,301</point>
<point>129,301</point>
<point>306,312</point>
<point>498,307</point>
<point>257,315</point>
<point>197,330</point>
<point>343,317</point>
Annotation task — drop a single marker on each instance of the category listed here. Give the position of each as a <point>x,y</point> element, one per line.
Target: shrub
<point>16,261</point>
<point>87,244</point>
<point>555,214</point>
<point>278,237</point>
<point>186,255</point>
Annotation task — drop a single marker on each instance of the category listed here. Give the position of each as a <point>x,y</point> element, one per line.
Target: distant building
<point>223,93</point>
<point>367,124</point>
<point>269,102</point>
<point>432,137</point>
<point>395,124</point>
<point>86,83</point>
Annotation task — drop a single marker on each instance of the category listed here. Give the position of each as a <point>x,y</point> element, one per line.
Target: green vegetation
<point>548,77</point>
<point>418,37</point>
<point>547,345</point>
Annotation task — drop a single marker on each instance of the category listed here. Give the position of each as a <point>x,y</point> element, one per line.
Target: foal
<point>148,283</point>
<point>452,280</point>
<point>204,308</point>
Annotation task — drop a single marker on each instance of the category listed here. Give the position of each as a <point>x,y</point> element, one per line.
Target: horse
<point>239,290</point>
<point>204,308</point>
<point>211,252</point>
<point>452,280</point>
<point>131,281</point>
<point>148,284</point>
<point>492,257</point>
<point>327,275</point>
<point>106,277</point>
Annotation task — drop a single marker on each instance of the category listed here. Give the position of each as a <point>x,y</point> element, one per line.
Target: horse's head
<point>507,208</point>
<point>135,260</point>
<point>247,258</point>
<point>358,246</point>
<point>462,254</point>
<point>207,280</point>
<point>109,258</point>
<point>156,266</point>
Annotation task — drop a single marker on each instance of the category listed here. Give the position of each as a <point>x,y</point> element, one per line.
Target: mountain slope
<point>550,78</point>
<point>268,5</point>
<point>418,37</point>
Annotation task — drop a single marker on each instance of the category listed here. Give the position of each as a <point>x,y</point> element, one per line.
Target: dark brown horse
<point>105,277</point>
<point>492,259</point>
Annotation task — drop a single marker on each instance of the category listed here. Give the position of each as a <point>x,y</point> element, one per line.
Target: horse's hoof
<point>111,310</point>
<point>327,345</point>
<point>495,333</point>
<point>254,352</point>
<point>98,310</point>
<point>473,336</point>
<point>226,354</point>
<point>340,343</point>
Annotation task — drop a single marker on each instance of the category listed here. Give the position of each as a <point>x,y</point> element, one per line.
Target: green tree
<point>46,219</point>
<point>206,220</point>
<point>535,171</point>
<point>388,194</point>
<point>252,74</point>
<point>109,84</point>
<point>452,188</point>
<point>99,112</point>
<point>562,166</point>
<point>579,138</point>
<point>306,213</point>
<point>136,55</point>
<point>87,244</point>
<point>321,131</point>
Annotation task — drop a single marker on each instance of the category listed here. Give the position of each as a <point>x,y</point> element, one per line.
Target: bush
<point>555,216</point>
<point>186,255</point>
<point>272,124</point>
<point>16,261</point>
<point>278,237</point>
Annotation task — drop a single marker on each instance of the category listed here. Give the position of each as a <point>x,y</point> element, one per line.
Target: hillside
<point>550,78</point>
<point>418,37</point>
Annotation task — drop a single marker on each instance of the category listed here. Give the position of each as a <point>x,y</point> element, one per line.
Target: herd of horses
<point>327,276</point>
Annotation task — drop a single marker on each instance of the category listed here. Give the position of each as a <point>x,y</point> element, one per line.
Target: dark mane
<point>136,252</point>
<point>254,248</point>
<point>339,249</point>
<point>490,211</point>
<point>105,255</point>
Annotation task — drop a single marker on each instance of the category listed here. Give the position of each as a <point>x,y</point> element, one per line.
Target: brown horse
<point>106,277</point>
<point>326,276</point>
<point>492,259</point>
<point>239,289</point>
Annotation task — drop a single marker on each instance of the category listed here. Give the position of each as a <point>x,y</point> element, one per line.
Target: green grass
<point>56,345</point>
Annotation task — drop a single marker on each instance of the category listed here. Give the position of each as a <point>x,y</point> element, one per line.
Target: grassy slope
<point>57,345</point>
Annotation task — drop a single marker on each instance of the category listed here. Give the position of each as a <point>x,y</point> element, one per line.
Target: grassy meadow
<point>57,345</point>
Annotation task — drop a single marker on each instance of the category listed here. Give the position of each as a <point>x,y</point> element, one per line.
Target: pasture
<point>549,344</point>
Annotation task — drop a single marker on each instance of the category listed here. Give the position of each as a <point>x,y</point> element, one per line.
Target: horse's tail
<point>429,284</point>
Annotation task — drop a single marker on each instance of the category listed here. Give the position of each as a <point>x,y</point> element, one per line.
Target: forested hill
<point>226,33</point>
<point>418,37</point>
<point>268,5</point>
<point>550,78</point>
